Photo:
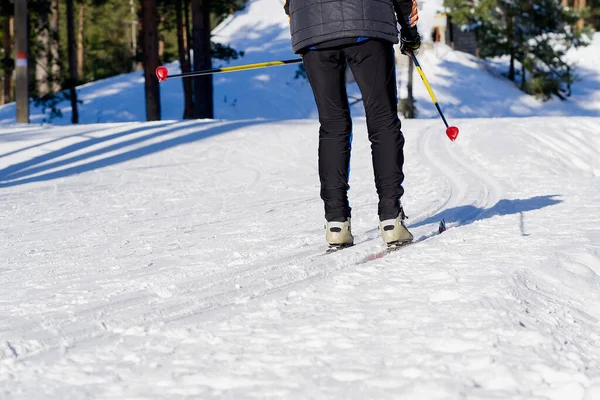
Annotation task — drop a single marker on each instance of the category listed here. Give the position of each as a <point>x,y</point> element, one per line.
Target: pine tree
<point>103,38</point>
<point>551,31</point>
<point>536,33</point>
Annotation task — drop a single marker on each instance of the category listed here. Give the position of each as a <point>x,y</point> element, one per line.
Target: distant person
<point>360,33</point>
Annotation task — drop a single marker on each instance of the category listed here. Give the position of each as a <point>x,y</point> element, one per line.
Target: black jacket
<point>317,21</point>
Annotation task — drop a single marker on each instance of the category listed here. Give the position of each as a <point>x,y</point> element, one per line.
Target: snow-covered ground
<point>463,84</point>
<point>186,260</point>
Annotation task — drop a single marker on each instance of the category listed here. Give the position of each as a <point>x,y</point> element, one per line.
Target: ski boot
<point>339,235</point>
<point>394,231</point>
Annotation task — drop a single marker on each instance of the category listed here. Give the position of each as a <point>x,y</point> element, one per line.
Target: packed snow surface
<point>175,260</point>
<point>186,259</point>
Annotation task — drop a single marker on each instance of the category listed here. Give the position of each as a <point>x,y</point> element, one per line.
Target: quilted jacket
<point>316,21</point>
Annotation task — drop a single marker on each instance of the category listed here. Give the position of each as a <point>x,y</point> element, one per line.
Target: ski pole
<point>162,73</point>
<point>451,131</point>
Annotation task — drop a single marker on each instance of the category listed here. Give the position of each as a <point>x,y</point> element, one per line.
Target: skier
<point>361,33</point>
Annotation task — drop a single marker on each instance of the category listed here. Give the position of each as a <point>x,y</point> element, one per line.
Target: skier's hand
<point>286,7</point>
<point>410,41</point>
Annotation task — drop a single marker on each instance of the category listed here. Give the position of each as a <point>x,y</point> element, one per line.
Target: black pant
<point>372,64</point>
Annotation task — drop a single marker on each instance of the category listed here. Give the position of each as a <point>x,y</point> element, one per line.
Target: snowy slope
<point>463,85</point>
<point>185,260</point>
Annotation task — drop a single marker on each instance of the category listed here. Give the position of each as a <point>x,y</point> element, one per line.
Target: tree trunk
<point>72,62</point>
<point>161,42</point>
<point>54,46</point>
<point>134,34</point>
<point>140,25</point>
<point>511,46</point>
<point>511,70</point>
<point>161,49</point>
<point>42,60</point>
<point>189,44</point>
<point>581,4</point>
<point>188,111</point>
<point>80,53</point>
<point>150,58</point>
<point>8,60</point>
<point>22,70</point>
<point>203,88</point>
<point>523,78</point>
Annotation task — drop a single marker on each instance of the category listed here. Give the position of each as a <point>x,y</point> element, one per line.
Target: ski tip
<point>336,247</point>
<point>162,73</point>
<point>398,245</point>
<point>452,133</point>
<point>442,227</point>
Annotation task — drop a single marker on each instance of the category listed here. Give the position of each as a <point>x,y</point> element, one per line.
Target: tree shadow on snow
<point>33,134</point>
<point>465,215</point>
<point>67,161</point>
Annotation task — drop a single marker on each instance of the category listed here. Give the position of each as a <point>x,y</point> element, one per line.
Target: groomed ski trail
<point>275,271</point>
<point>181,288</point>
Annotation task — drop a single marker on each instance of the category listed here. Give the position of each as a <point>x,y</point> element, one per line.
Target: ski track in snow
<point>148,260</point>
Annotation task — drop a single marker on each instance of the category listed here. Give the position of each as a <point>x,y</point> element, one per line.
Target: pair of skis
<point>391,247</point>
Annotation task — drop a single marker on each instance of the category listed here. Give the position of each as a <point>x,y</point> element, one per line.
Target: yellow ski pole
<point>162,73</point>
<point>451,131</point>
